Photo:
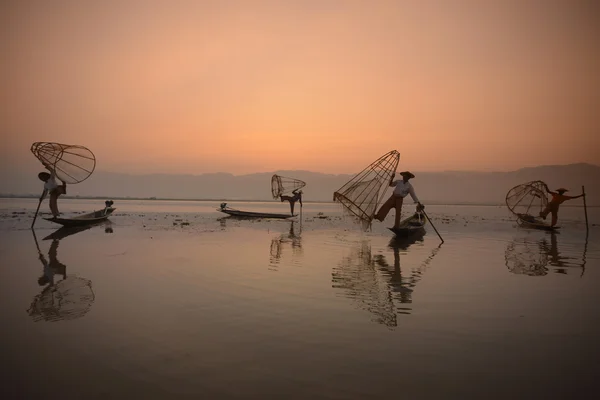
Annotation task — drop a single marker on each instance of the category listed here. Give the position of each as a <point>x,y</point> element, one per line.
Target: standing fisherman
<point>557,199</point>
<point>50,186</point>
<point>401,189</point>
<point>297,196</point>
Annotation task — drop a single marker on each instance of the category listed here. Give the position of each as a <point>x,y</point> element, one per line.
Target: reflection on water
<point>62,297</point>
<point>402,286</point>
<point>360,281</point>
<point>535,257</point>
<point>377,286</point>
<point>291,239</point>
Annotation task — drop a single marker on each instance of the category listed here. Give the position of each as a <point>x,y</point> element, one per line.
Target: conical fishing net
<point>362,194</point>
<point>526,201</point>
<point>281,185</point>
<point>73,164</point>
<point>71,298</point>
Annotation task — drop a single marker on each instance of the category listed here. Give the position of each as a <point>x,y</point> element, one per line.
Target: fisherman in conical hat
<point>402,188</point>
<point>50,186</point>
<point>558,198</point>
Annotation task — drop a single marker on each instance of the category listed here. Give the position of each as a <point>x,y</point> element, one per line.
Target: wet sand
<point>177,300</point>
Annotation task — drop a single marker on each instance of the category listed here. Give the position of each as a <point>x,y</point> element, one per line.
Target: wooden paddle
<point>436,231</point>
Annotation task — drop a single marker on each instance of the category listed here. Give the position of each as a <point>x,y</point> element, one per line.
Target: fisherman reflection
<point>554,257</point>
<point>293,237</point>
<point>70,297</point>
<point>557,258</point>
<point>403,285</point>
<point>357,279</point>
<point>54,267</point>
<point>375,285</point>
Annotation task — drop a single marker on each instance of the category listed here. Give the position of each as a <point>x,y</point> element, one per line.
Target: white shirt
<point>403,188</point>
<point>51,184</point>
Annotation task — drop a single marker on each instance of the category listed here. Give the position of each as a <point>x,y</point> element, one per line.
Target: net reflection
<point>532,256</point>
<point>377,286</point>
<point>63,297</point>
<point>291,239</point>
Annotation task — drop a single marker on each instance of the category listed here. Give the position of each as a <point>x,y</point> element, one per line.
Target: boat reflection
<point>292,238</point>
<point>66,231</point>
<point>63,297</point>
<point>532,256</point>
<point>377,286</point>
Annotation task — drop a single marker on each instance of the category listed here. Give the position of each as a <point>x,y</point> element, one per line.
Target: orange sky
<point>328,86</point>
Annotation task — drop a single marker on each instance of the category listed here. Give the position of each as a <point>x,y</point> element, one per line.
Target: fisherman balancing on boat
<point>52,187</point>
<point>297,196</point>
<point>558,198</point>
<point>402,188</point>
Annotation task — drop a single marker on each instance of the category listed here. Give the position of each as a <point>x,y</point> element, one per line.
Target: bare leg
<point>399,201</point>
<point>544,213</point>
<point>292,203</point>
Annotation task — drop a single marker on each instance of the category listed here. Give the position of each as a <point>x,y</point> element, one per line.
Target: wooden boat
<point>529,221</point>
<point>411,226</point>
<point>84,219</point>
<point>250,214</point>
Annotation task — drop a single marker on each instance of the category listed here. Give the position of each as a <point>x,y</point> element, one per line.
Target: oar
<point>436,231</point>
<point>38,209</point>
<point>585,210</point>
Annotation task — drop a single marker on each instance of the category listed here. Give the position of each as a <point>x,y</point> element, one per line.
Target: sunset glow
<point>242,87</point>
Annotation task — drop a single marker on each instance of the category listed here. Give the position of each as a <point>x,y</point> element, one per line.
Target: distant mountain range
<point>447,187</point>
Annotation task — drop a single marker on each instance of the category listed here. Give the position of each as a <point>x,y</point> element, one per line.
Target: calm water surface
<point>171,300</point>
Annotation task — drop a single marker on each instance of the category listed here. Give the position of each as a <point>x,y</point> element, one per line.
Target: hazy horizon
<point>448,187</point>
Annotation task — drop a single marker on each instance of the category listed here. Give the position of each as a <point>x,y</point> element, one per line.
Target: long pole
<point>436,231</point>
<point>37,210</point>
<point>585,210</point>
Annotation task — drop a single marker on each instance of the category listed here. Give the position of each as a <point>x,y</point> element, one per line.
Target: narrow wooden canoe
<point>84,219</point>
<point>250,214</point>
<point>413,225</point>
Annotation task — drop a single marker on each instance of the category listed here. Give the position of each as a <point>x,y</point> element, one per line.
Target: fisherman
<point>558,198</point>
<point>401,189</point>
<point>50,186</point>
<point>297,196</point>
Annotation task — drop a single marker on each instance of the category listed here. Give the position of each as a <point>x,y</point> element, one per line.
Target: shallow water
<point>174,300</point>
